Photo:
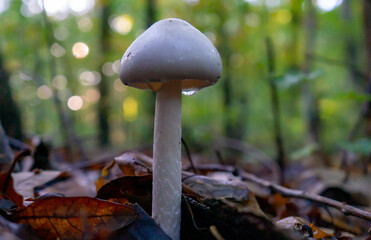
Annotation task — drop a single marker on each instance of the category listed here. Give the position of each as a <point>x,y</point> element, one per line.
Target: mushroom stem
<point>167,166</point>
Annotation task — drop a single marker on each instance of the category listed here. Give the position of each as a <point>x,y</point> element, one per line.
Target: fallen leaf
<point>143,228</point>
<point>73,217</point>
<point>26,182</point>
<point>131,188</point>
<point>7,190</point>
<point>134,164</point>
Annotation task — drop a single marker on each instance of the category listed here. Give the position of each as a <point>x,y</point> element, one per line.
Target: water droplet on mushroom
<point>189,92</point>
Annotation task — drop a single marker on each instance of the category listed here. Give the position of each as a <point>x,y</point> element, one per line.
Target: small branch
<point>286,192</point>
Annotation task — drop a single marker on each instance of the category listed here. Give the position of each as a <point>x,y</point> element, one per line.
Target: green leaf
<point>291,79</point>
<point>361,146</point>
<point>304,151</point>
<point>360,97</point>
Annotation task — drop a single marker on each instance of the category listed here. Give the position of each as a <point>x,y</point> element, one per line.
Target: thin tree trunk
<point>103,104</point>
<point>350,43</point>
<point>275,108</point>
<point>310,100</point>
<point>9,113</point>
<point>367,31</point>
<point>150,98</point>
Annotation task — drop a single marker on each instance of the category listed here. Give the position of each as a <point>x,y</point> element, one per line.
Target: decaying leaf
<point>234,193</point>
<point>26,182</point>
<point>134,164</point>
<point>7,190</point>
<point>129,189</point>
<point>74,217</point>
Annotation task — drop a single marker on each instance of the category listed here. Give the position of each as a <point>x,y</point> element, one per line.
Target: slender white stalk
<point>166,193</point>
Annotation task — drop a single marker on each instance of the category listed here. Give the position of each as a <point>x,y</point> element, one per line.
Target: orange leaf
<point>318,233</point>
<point>7,190</point>
<point>74,217</point>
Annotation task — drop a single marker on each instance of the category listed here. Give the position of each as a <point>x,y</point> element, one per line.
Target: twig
<point>286,192</point>
<point>189,155</point>
<point>275,107</point>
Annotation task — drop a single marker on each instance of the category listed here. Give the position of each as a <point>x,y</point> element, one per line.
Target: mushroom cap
<point>171,49</point>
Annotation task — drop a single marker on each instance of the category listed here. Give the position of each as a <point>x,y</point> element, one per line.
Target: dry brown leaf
<point>135,164</point>
<point>7,191</point>
<point>73,217</point>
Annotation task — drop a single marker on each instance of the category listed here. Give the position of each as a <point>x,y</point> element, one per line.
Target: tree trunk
<point>103,104</point>
<point>367,29</point>
<point>150,97</point>
<point>9,113</point>
<point>310,100</point>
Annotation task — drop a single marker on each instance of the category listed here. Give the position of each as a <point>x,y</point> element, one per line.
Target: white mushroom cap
<point>171,49</point>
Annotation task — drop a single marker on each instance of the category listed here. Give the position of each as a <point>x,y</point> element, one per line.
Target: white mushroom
<point>170,57</point>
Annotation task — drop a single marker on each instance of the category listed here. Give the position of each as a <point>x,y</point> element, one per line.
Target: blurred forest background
<point>296,77</point>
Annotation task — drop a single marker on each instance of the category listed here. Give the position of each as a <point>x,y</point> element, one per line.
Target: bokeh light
<point>85,24</point>
<point>122,24</point>
<point>107,69</point>
<point>90,78</point>
<point>328,5</point>
<point>283,16</point>
<point>57,50</point>
<point>4,5</point>
<point>91,95</point>
<point>119,86</point>
<point>75,103</point>
<point>252,19</point>
<point>130,109</point>
<point>44,92</point>
<point>80,50</point>
<point>59,82</point>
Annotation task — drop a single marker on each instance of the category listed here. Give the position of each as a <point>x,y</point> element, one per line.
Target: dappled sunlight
<point>80,50</point>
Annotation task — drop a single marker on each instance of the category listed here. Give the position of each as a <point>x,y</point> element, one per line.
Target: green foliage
<point>360,146</point>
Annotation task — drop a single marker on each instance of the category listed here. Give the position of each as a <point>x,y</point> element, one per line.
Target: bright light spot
<point>328,5</point>
<point>57,50</point>
<point>122,24</point>
<point>211,36</point>
<point>61,33</point>
<point>89,78</point>
<point>252,19</point>
<point>81,6</point>
<point>192,2</point>
<point>30,7</point>
<point>130,108</point>
<point>4,5</point>
<point>107,69</point>
<point>44,92</point>
<point>75,103</point>
<point>80,50</point>
<point>119,86</point>
<point>59,82</point>
<point>85,24</point>
<point>283,16</point>
<point>116,66</point>
<point>92,95</point>
<point>57,9</point>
